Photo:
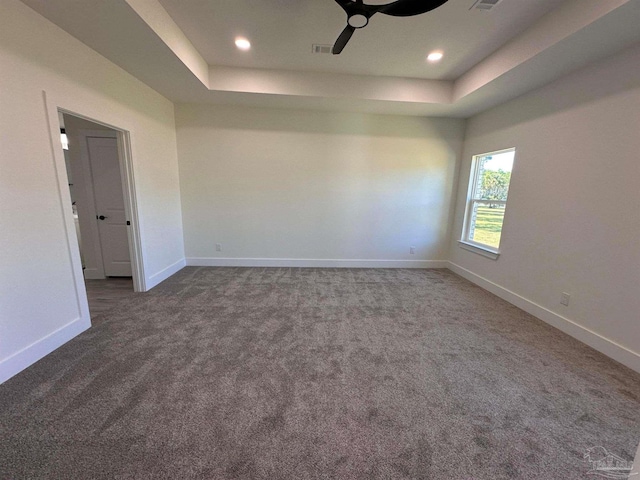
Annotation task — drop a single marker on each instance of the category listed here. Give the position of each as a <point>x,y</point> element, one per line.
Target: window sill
<point>485,252</point>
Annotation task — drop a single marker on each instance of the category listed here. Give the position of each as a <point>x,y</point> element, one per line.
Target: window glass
<point>487,202</point>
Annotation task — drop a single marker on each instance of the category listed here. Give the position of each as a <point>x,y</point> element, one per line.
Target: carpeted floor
<point>224,373</point>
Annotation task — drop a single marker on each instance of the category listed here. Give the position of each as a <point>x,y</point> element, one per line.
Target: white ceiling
<point>185,51</point>
<point>283,31</point>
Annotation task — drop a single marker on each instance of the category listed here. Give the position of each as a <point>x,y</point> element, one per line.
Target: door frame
<point>128,188</point>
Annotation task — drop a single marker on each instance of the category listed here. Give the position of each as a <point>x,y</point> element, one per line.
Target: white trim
<point>64,196</point>
<point>131,210</point>
<point>489,202</point>
<point>129,191</point>
<point>22,359</point>
<point>604,345</point>
<point>165,273</point>
<point>472,200</point>
<point>480,250</point>
<point>636,466</point>
<point>31,354</point>
<point>93,274</point>
<point>310,262</point>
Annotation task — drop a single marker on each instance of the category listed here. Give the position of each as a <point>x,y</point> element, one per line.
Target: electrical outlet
<point>218,247</point>
<point>564,299</point>
<point>412,250</point>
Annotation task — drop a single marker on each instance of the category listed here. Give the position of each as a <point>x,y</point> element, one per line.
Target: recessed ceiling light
<point>435,56</point>
<point>243,44</point>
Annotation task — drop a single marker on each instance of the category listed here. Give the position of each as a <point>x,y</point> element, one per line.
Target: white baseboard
<point>604,345</point>
<point>92,274</point>
<point>165,273</point>
<point>635,471</point>
<point>315,263</point>
<point>26,357</point>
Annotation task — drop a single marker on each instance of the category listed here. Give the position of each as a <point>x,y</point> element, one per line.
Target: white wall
<point>573,216</point>
<point>285,187</point>
<point>40,307</point>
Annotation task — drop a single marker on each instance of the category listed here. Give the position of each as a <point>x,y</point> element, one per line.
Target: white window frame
<point>466,242</point>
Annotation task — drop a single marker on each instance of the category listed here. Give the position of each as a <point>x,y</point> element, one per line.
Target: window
<point>487,201</point>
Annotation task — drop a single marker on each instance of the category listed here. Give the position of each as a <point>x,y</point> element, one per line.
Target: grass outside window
<point>487,199</point>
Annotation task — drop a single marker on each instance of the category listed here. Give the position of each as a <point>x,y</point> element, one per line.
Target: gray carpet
<point>310,373</point>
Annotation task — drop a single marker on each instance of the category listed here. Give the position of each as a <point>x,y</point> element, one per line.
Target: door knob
<point>101,217</point>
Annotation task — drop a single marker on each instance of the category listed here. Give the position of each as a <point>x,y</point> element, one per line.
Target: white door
<point>109,202</point>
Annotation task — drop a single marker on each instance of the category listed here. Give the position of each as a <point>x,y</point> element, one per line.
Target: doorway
<point>101,193</point>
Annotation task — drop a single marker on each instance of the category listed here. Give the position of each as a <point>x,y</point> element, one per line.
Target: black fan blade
<point>343,39</point>
<point>357,7</point>
<point>408,8</point>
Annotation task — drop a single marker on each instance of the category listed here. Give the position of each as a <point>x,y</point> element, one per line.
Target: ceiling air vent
<point>484,5</point>
<point>321,48</point>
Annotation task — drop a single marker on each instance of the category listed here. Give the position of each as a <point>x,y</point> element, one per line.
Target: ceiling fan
<point>359,13</point>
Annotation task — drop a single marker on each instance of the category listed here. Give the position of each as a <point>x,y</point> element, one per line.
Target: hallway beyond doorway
<point>104,295</point>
